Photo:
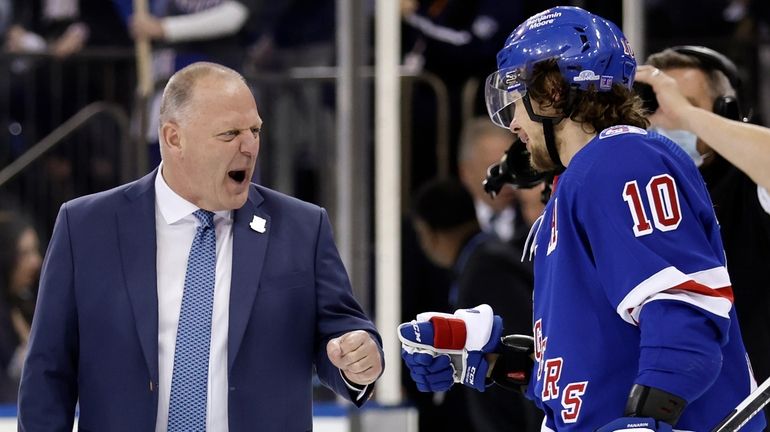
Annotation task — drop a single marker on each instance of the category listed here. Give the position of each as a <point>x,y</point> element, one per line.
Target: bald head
<point>482,144</point>
<point>209,136</point>
<point>175,103</point>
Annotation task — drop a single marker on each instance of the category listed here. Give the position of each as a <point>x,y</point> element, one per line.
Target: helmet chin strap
<point>548,133</point>
<point>550,144</point>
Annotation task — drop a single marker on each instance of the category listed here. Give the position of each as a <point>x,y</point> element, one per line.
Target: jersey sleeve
<point>650,224</point>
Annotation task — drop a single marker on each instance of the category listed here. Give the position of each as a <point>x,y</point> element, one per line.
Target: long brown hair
<point>593,109</point>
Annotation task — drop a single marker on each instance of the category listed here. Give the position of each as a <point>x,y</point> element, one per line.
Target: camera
<point>513,169</point>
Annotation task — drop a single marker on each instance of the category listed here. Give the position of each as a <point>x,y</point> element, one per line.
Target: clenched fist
<point>357,356</point>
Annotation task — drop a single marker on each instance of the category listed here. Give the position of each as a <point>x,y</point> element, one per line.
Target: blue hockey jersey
<point>631,286</point>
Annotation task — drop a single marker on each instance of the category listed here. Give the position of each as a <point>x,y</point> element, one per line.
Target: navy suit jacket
<point>94,338</point>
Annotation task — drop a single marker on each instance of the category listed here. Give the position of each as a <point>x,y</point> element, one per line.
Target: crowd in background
<point>60,55</point>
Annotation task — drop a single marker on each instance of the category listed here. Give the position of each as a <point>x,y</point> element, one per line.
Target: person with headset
<point>712,113</point>
<point>695,88</point>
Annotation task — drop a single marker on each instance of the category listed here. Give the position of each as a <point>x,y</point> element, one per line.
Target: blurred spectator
<point>732,157</point>
<point>295,34</point>
<point>20,263</point>
<point>683,18</point>
<point>425,286</point>
<point>63,27</point>
<point>6,11</point>
<point>184,32</point>
<point>486,270</point>
<point>455,40</point>
<point>60,28</point>
<point>482,144</point>
<point>196,30</point>
<point>49,79</point>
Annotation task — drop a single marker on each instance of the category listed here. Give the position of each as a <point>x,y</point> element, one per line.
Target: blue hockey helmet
<point>589,51</point>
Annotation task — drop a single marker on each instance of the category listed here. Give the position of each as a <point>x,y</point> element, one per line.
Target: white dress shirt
<point>175,227</point>
<point>501,224</point>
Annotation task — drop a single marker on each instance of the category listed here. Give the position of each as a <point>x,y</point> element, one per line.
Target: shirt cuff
<point>357,390</point>
<point>764,198</point>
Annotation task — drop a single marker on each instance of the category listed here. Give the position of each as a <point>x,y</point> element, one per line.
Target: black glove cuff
<point>512,368</point>
<point>646,401</point>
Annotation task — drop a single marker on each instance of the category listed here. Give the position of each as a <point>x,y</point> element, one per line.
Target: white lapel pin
<point>258,224</point>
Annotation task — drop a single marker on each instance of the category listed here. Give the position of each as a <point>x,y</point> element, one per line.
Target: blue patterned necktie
<point>189,381</point>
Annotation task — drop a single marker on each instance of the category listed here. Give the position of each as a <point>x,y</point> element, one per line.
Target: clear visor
<point>503,88</point>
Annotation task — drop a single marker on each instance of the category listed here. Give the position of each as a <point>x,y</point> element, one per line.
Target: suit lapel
<point>249,249</point>
<point>136,235</point>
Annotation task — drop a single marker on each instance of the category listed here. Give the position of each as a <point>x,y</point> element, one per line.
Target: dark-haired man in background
<point>486,270</point>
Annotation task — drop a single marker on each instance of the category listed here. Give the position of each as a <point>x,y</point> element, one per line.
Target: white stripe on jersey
<point>544,427</point>
<point>671,284</point>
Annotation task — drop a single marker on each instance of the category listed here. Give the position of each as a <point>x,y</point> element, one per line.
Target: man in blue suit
<point>191,299</point>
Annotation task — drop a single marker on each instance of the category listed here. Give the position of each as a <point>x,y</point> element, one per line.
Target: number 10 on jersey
<point>663,199</point>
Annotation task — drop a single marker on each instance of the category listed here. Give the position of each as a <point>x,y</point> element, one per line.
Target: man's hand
<point>408,7</point>
<point>19,40</point>
<point>673,106</point>
<point>72,41</point>
<point>357,356</point>
<point>146,26</point>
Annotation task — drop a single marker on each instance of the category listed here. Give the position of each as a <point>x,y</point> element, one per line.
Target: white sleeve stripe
<point>668,278</point>
<point>716,277</point>
<point>717,305</point>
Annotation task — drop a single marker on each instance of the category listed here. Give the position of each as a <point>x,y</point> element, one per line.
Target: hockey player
<point>634,325</point>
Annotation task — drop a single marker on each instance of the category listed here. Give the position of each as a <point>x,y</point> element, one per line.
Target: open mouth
<point>237,175</point>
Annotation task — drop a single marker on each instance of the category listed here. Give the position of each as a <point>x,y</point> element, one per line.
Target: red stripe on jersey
<point>695,287</point>
<point>448,333</point>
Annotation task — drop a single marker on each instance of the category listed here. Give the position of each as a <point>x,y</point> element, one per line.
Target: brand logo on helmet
<point>542,20</point>
<point>586,75</point>
<point>605,83</point>
<point>512,79</point>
